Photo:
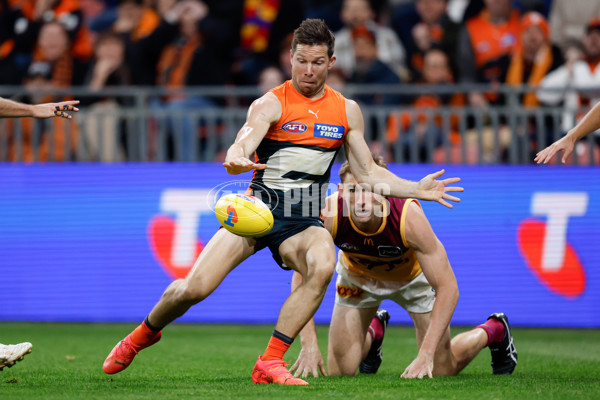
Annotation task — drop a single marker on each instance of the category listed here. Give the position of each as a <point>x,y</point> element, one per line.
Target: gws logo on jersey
<point>294,127</point>
<point>544,246</point>
<point>334,132</point>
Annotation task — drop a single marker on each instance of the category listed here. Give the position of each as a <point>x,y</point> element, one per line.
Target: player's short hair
<point>314,32</point>
<point>345,168</point>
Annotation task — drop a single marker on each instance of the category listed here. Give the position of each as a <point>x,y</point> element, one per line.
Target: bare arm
<point>14,109</point>
<point>263,112</point>
<point>589,124</point>
<point>383,181</point>
<point>436,267</point>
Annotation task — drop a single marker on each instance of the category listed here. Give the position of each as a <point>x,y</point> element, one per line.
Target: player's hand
<point>49,110</point>
<point>565,144</point>
<point>431,189</point>
<point>419,368</point>
<point>310,361</point>
<point>241,165</point>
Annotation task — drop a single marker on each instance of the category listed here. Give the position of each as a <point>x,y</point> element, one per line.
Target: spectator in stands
<point>54,48</point>
<point>188,61</point>
<point>54,68</point>
<point>456,9</point>
<point>41,140</point>
<point>369,69</point>
<point>390,51</point>
<point>146,33</point>
<point>433,28</point>
<point>535,57</point>
<point>264,26</point>
<point>269,78</point>
<point>531,61</point>
<point>336,79</point>
<point>10,70</point>
<point>580,71</point>
<point>485,46</point>
<point>20,24</point>
<point>284,56</point>
<point>569,18</point>
<point>422,131</point>
<point>104,131</point>
<point>36,13</point>
<point>99,15</point>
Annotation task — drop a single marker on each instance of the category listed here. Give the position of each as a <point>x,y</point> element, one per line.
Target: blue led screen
<point>100,243</point>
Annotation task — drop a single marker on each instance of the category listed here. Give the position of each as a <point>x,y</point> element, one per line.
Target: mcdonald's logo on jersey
<point>368,241</point>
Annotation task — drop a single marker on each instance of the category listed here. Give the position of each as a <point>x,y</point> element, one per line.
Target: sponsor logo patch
<point>334,132</point>
<point>349,247</point>
<point>294,127</point>
<point>349,292</point>
<point>389,251</point>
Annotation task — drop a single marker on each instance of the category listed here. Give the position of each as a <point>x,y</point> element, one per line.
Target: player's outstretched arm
<point>310,360</point>
<point>263,112</point>
<point>436,268</point>
<point>383,181</point>
<point>14,109</point>
<point>589,124</point>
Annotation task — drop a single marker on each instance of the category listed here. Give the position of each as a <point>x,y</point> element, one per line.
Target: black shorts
<point>284,226</point>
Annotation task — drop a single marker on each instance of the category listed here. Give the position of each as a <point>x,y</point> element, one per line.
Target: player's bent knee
<point>324,273</point>
<point>192,293</point>
<point>450,369</point>
<point>338,369</point>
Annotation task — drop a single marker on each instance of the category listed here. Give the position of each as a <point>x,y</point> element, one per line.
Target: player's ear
<point>340,187</point>
<point>331,62</point>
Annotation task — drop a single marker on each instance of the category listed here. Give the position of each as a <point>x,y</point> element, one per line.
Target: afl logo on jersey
<point>294,127</point>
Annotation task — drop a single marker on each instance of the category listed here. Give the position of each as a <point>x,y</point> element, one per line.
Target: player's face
<point>363,204</point>
<point>309,68</point>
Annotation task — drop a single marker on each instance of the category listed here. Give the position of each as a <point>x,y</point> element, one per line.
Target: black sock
<point>282,337</point>
<point>152,327</point>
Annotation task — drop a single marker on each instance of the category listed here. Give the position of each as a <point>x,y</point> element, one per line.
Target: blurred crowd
<point>46,44</point>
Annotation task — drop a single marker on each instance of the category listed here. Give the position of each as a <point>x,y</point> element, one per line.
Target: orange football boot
<point>274,371</point>
<point>123,353</point>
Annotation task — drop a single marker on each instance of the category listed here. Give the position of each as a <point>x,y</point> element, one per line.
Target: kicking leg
<point>221,255</point>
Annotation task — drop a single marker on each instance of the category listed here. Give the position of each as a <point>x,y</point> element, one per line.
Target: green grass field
<point>215,361</point>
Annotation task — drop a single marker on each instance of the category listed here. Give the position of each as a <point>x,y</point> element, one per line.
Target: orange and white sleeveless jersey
<point>300,148</point>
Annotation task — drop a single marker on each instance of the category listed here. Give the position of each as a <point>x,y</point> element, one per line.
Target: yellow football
<point>244,215</point>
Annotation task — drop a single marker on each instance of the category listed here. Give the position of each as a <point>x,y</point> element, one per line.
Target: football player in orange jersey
<point>389,251</point>
<point>295,131</point>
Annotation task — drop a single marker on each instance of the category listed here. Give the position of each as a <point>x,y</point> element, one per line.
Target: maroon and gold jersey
<point>384,254</point>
